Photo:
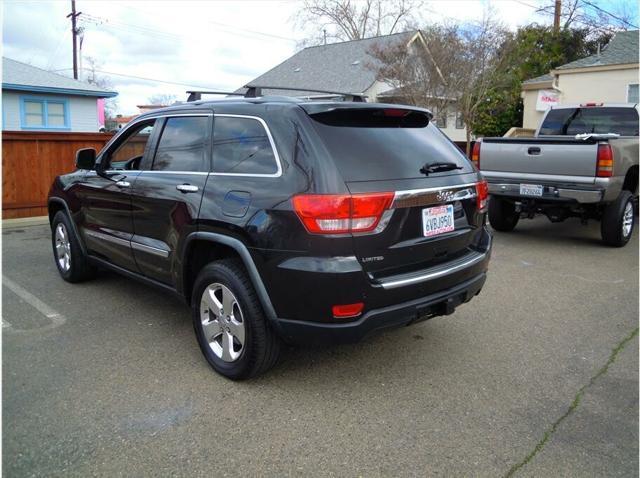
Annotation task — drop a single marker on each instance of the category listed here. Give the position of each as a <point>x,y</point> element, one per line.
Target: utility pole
<point>74,35</point>
<point>556,16</point>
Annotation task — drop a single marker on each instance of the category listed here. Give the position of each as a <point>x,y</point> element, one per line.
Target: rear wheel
<point>502,214</point>
<point>229,323</point>
<point>71,261</point>
<point>618,220</point>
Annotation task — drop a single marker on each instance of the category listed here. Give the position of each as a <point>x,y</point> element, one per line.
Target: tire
<point>502,214</point>
<point>618,221</point>
<point>72,263</point>
<point>242,344</point>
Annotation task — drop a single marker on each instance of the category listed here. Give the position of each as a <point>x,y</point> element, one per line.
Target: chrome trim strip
<point>192,173</point>
<point>107,237</point>
<point>420,197</point>
<point>151,250</point>
<point>439,272</point>
<point>278,172</point>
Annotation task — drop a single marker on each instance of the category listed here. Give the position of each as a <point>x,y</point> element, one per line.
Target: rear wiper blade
<point>437,167</point>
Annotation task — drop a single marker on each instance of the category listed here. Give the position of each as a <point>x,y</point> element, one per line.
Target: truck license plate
<point>531,190</point>
<point>437,220</point>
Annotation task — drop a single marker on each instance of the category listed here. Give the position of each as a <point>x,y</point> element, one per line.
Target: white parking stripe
<point>56,318</point>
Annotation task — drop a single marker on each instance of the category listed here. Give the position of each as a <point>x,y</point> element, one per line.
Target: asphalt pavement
<point>537,376</point>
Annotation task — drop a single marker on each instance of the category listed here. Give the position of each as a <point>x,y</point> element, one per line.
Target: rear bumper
<point>441,303</point>
<point>551,193</point>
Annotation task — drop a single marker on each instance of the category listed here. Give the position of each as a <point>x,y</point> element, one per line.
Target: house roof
<point>23,77</point>
<point>623,48</point>
<point>343,67</point>
<point>539,79</point>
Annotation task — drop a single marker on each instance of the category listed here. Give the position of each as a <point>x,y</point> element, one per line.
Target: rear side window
<point>572,121</point>
<point>183,145</point>
<point>241,145</point>
<point>372,147</point>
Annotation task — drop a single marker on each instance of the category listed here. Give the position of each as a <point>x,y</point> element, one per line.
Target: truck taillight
<point>475,154</point>
<point>341,213</point>
<point>604,165</point>
<point>482,194</point>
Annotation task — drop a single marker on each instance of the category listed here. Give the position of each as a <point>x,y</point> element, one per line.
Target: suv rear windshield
<point>370,149</point>
<point>572,121</point>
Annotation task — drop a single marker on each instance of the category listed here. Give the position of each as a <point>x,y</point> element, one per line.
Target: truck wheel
<point>232,330</point>
<point>502,214</point>
<point>71,262</point>
<point>618,221</point>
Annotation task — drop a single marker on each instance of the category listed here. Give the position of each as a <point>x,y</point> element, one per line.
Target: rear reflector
<point>341,213</point>
<point>482,194</point>
<point>604,167</point>
<point>475,154</point>
<point>347,310</point>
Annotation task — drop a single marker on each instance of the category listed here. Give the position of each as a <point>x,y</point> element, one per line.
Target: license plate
<point>437,220</point>
<point>531,189</point>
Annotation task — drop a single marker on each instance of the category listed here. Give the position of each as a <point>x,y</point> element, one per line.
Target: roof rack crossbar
<point>255,90</point>
<point>195,95</point>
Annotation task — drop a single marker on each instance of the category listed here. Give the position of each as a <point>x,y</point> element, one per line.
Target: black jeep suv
<point>278,219</point>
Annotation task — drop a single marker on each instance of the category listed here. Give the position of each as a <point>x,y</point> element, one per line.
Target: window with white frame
<point>459,121</point>
<point>632,93</point>
<point>40,113</point>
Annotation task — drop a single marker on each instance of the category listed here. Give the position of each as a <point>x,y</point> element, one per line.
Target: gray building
<point>38,100</point>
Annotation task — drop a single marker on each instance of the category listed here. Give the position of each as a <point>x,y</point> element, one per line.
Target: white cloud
<point>222,44</point>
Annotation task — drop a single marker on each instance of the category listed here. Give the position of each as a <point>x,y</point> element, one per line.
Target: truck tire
<point>618,221</point>
<point>233,333</point>
<point>502,214</point>
<point>71,261</point>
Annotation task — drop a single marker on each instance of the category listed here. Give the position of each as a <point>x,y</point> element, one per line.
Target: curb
<point>25,222</point>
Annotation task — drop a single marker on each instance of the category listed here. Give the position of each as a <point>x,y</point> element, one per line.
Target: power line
<point>609,13</point>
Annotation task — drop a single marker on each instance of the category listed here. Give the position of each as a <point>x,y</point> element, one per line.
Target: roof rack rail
<point>195,95</point>
<point>254,91</point>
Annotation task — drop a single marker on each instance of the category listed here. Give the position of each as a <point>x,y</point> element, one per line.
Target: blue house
<point>38,100</point>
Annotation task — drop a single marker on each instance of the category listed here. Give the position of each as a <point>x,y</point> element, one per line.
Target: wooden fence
<point>30,162</point>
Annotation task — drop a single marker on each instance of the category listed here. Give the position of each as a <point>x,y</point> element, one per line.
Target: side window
<point>183,145</point>
<point>242,146</point>
<point>128,154</point>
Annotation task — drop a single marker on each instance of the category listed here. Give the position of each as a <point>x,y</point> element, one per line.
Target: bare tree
<point>102,81</point>
<point>353,20</point>
<point>162,99</point>
<point>587,14</point>
<point>454,67</point>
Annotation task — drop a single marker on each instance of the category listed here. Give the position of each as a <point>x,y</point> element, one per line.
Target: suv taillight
<point>475,153</point>
<point>482,194</point>
<point>341,213</point>
<point>604,165</point>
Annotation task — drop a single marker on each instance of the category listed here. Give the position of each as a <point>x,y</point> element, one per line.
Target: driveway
<point>537,376</point>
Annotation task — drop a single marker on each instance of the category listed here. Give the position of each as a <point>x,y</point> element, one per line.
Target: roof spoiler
<point>254,91</point>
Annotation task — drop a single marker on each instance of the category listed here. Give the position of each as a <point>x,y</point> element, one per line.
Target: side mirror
<point>86,158</point>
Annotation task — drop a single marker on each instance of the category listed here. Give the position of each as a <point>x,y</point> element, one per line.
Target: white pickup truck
<point>582,162</point>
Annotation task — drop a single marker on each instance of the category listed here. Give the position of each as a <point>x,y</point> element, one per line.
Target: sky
<point>147,48</point>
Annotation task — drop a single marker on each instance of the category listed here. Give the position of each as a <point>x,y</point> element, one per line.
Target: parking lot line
<point>55,317</point>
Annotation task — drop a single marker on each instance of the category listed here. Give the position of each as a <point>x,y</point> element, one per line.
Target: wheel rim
<point>222,322</point>
<point>63,247</point>
<point>627,219</point>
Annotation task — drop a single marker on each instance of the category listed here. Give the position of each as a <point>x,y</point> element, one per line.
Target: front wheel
<point>232,331</point>
<point>502,214</point>
<point>618,221</point>
<point>71,261</point>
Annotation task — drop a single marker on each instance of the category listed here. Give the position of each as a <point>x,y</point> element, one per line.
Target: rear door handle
<point>533,150</point>
<point>123,184</point>
<point>187,188</point>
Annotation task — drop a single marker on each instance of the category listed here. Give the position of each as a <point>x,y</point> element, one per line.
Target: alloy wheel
<point>63,247</point>
<point>627,219</point>
<point>222,322</point>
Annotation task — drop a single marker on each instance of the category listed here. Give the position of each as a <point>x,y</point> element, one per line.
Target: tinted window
<point>183,145</point>
<point>572,121</point>
<point>128,153</point>
<point>367,154</point>
<point>241,145</point>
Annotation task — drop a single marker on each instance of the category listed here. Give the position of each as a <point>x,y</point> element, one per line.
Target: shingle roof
<point>623,48</point>
<point>20,76</point>
<point>539,79</point>
<point>342,67</point>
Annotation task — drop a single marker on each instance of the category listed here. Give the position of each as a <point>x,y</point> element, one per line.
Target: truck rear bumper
<point>557,193</point>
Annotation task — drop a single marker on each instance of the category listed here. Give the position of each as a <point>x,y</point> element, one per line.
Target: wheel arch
<point>631,180</point>
<point>197,253</point>
<point>56,204</point>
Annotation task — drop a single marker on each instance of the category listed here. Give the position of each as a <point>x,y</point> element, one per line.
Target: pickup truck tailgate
<point>556,157</point>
